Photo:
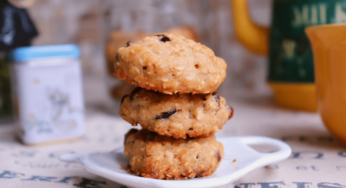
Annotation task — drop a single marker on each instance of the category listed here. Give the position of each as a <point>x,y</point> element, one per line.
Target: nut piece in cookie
<point>177,115</point>
<point>153,156</point>
<point>170,63</point>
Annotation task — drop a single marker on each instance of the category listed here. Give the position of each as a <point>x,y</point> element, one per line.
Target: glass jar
<point>133,20</point>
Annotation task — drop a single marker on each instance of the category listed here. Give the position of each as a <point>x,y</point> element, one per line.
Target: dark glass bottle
<point>16,30</point>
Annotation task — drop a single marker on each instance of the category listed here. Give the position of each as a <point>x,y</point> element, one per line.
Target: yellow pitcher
<point>291,71</point>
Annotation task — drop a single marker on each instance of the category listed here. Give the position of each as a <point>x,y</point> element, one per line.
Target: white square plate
<point>239,160</point>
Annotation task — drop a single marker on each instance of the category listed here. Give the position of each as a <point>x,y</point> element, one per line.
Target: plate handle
<point>283,151</point>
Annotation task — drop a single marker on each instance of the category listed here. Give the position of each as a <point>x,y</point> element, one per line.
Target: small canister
<point>47,93</point>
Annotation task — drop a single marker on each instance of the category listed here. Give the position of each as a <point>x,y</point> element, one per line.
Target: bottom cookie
<point>154,156</point>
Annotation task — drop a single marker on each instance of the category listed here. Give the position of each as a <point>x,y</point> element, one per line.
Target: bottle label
<point>291,58</point>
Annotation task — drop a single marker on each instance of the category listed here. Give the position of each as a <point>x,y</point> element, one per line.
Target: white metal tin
<point>48,99</point>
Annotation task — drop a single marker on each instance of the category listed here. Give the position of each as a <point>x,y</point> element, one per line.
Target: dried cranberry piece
<point>218,156</point>
<point>200,172</point>
<point>230,109</point>
<point>163,38</point>
<point>129,43</point>
<point>136,90</point>
<point>122,99</point>
<point>217,98</point>
<point>117,58</point>
<point>165,115</point>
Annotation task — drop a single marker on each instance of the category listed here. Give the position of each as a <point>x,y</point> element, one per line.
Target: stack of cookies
<point>175,104</point>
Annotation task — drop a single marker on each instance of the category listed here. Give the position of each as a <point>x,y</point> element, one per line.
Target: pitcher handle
<point>253,36</point>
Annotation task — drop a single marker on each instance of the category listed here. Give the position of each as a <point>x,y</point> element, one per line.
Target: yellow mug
<point>329,49</point>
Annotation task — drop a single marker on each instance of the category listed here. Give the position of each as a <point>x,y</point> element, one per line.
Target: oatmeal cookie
<point>177,115</point>
<point>121,89</point>
<point>153,156</point>
<point>116,40</point>
<point>170,63</point>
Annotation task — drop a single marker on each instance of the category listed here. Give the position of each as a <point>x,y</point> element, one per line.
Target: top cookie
<point>169,64</point>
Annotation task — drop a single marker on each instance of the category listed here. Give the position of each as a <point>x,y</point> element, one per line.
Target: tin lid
<point>38,52</point>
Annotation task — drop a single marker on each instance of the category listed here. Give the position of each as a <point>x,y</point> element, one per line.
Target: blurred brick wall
<point>87,23</point>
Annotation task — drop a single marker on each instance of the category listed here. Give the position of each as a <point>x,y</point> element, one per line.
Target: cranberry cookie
<point>177,115</point>
<point>153,156</point>
<point>170,63</point>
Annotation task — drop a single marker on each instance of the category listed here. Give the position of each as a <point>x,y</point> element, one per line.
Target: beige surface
<point>317,158</point>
